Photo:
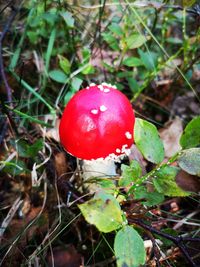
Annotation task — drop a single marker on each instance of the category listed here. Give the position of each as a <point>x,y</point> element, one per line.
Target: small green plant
<point>49,50</point>
<point>106,209</point>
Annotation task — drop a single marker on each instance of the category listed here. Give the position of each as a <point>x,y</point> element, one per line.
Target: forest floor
<point>49,50</point>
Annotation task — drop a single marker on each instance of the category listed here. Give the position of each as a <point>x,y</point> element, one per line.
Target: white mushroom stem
<point>98,168</point>
<point>101,168</point>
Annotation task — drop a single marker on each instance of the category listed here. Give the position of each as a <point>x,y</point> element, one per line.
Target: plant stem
<point>178,240</point>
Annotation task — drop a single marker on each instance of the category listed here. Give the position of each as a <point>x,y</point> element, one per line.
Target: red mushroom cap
<point>98,121</point>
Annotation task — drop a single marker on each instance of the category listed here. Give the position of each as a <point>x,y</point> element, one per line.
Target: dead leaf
<point>171,67</point>
<point>188,182</point>
<point>68,257</point>
<point>171,135</point>
<point>26,206</point>
<point>61,164</point>
<point>187,106</point>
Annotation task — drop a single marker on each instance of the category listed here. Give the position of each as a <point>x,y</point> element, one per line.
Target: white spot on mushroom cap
<point>94,111</point>
<point>92,84</point>
<point>105,84</point>
<point>103,108</point>
<point>128,135</point>
<point>109,85</point>
<point>125,150</point>
<point>124,146</point>
<point>113,157</point>
<point>100,87</point>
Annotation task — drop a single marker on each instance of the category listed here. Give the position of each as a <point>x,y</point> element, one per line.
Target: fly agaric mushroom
<point>97,127</point>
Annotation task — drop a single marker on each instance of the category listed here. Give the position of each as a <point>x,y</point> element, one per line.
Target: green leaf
<point>134,86</point>
<point>58,76</point>
<point>124,74</point>
<point>188,3</point>
<point>129,248</point>
<point>105,196</point>
<point>64,64</point>
<point>50,17</point>
<point>115,28</point>
<point>67,97</point>
<point>15,167</point>
<point>111,41</point>
<point>104,212</point>
<point>107,184</point>
<point>149,59</point>
<point>135,40</point>
<point>76,83</point>
<point>164,181</point>
<point>174,40</point>
<point>88,70</point>
<point>35,148</point>
<point>86,54</point>
<point>68,18</point>
<point>151,198</point>
<point>108,67</point>
<point>132,62</point>
<point>189,161</point>
<point>148,141</point>
<point>26,150</point>
<point>33,36</point>
<point>130,173</point>
<point>191,135</point>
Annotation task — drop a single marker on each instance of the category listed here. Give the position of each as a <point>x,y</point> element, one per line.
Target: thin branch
<point>98,25</point>
<point>156,251</point>
<point>7,5</point>
<point>145,4</point>
<point>3,130</point>
<point>10,216</point>
<point>178,240</point>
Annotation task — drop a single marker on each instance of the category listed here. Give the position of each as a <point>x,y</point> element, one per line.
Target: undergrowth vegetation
<point>148,213</point>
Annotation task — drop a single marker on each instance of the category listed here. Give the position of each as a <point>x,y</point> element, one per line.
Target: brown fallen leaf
<point>187,105</point>
<point>170,136</point>
<point>61,164</point>
<point>188,182</point>
<point>68,257</point>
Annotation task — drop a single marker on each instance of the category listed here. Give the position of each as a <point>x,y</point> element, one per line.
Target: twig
<point>147,4</point>
<point>10,157</point>
<point>9,216</point>
<point>98,25</point>
<point>184,220</point>
<point>155,247</point>
<point>3,131</point>
<point>7,5</point>
<point>178,240</point>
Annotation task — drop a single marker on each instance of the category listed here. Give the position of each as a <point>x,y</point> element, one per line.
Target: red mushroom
<point>97,123</point>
